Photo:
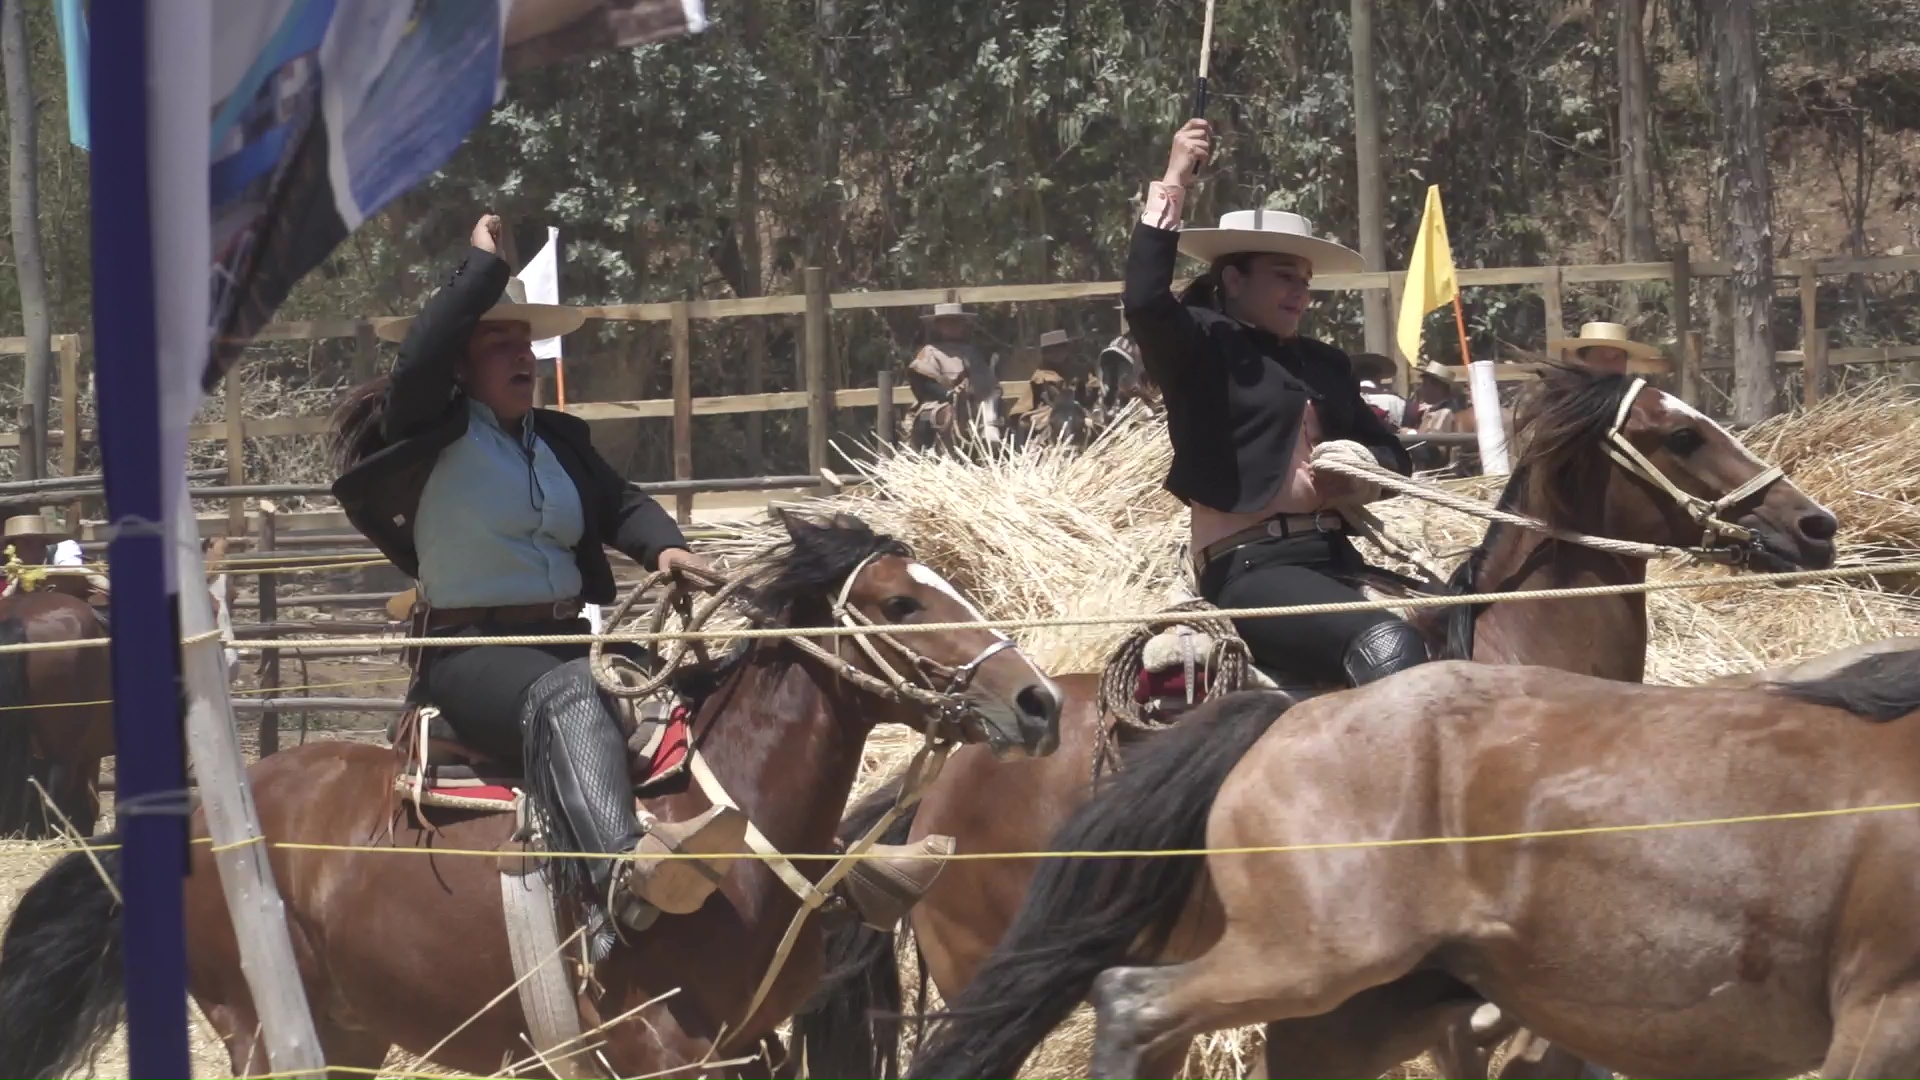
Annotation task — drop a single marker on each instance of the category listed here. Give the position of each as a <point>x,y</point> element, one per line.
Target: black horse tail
<point>20,813</point>
<point>1083,916</point>
<point>62,987</point>
<point>851,1024</point>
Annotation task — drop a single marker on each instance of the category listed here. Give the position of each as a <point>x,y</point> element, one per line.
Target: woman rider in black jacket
<point>1247,400</point>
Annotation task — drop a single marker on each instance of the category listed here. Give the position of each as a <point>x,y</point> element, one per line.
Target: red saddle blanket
<point>479,785</point>
<point>1171,683</point>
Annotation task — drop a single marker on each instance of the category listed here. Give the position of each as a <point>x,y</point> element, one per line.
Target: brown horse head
<point>1685,481</point>
<point>844,571</point>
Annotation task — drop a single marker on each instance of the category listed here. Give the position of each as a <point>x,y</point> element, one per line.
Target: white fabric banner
<point>541,276</point>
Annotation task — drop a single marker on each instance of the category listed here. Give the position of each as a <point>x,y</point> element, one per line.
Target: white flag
<point>541,276</point>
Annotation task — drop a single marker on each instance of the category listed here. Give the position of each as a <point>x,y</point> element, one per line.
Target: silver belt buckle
<point>1328,521</point>
<point>1276,527</point>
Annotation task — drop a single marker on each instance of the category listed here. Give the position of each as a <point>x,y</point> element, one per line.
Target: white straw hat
<point>948,311</point>
<point>1275,231</point>
<point>545,320</point>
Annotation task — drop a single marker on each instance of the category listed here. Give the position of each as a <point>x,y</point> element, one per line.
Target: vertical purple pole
<point>148,704</point>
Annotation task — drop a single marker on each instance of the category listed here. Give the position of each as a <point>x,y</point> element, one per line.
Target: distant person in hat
<point>502,512</point>
<point>1055,373</point>
<point>1248,398</point>
<point>31,540</point>
<point>1608,348</point>
<point>945,369</point>
<point>1375,373</point>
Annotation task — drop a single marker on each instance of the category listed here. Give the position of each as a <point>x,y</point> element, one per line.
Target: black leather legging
<point>479,690</point>
<point>1293,649</point>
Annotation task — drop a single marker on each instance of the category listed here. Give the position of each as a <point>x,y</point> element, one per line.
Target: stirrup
<point>884,886</point>
<point>680,886</point>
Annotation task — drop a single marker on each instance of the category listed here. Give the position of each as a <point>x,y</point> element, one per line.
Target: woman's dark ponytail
<point>1207,290</point>
<point>357,423</point>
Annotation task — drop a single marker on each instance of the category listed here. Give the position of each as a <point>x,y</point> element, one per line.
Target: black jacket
<point>1235,394</point>
<point>426,413</point>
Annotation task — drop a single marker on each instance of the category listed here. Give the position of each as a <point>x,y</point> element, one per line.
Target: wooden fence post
<point>366,352</point>
<point>269,613</point>
<point>1403,380</point>
<point>883,409</point>
<point>682,331</point>
<point>1552,293</point>
<point>29,424</point>
<point>1686,363</point>
<point>236,452</point>
<point>69,348</point>
<point>1813,367</point>
<point>819,391</point>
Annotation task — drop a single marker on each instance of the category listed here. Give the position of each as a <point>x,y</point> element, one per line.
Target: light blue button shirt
<point>491,533</point>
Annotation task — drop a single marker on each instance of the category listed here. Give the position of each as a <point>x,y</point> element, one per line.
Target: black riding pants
<point>1305,569</point>
<point>479,690</point>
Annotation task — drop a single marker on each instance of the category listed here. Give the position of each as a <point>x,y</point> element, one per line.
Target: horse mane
<point>812,563</point>
<point>1560,421</point>
<point>1882,687</point>
<point>1558,424</point>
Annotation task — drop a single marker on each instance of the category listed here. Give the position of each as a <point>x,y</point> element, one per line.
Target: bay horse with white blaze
<point>403,947</point>
<point>1762,948</point>
<point>1570,473</point>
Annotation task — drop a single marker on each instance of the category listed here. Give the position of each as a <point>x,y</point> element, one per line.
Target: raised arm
<point>423,379</point>
<point>1163,328</point>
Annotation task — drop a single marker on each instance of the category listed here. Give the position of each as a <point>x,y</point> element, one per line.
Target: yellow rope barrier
<point>985,856</point>
<point>1413,603</point>
<point>275,690</point>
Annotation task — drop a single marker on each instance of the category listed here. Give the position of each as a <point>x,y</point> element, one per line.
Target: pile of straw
<point>1050,531</point>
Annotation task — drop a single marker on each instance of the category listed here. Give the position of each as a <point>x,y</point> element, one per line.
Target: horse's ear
<point>798,526</point>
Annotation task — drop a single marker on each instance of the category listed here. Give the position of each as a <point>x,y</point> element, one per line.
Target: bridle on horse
<point>940,688</point>
<point>1721,537</point>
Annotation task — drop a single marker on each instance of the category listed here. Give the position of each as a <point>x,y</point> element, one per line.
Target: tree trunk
<point>746,220</point>
<point>1372,192</point>
<point>23,188</point>
<point>1746,193</point>
<point>823,237</point>
<point>1636,142</point>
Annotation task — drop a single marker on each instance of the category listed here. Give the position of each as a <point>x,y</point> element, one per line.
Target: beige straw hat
<point>30,525</point>
<point>1605,334</point>
<point>1275,231</point>
<point>1053,338</point>
<point>545,320</point>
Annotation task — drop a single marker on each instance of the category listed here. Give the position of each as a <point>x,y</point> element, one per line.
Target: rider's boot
<point>575,749</point>
<point>886,884</point>
<point>1382,650</point>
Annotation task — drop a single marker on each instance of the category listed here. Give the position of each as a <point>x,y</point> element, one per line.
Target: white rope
<point>1350,459</point>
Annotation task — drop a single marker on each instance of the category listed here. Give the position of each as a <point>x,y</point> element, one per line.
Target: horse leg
<point>350,1053</point>
<point>1875,1035</point>
<point>1371,1032</point>
<point>1142,1014</point>
<point>239,1029</point>
<point>1534,1058</point>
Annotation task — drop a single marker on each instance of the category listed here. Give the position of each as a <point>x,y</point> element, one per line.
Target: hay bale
<point>1050,531</point>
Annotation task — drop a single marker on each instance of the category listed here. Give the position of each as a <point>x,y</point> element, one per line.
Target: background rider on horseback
<point>1248,398</point>
<point>502,512</point>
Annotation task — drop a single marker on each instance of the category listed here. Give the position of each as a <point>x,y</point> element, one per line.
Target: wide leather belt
<point>507,615</point>
<point>1277,527</point>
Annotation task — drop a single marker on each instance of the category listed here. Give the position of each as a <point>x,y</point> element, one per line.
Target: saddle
<point>437,770</point>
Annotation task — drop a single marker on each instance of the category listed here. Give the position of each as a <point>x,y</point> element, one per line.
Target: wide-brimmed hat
<point>948,311</point>
<point>1274,231</point>
<point>545,320</point>
<point>1369,365</point>
<point>30,525</point>
<point>1604,334</point>
<point>1434,369</point>
<point>1053,338</point>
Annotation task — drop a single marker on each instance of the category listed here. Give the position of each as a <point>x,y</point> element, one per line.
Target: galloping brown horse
<point>403,948</point>
<point>1565,476</point>
<point>1759,949</point>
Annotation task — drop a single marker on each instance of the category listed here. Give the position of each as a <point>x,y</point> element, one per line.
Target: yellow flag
<point>1430,281</point>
